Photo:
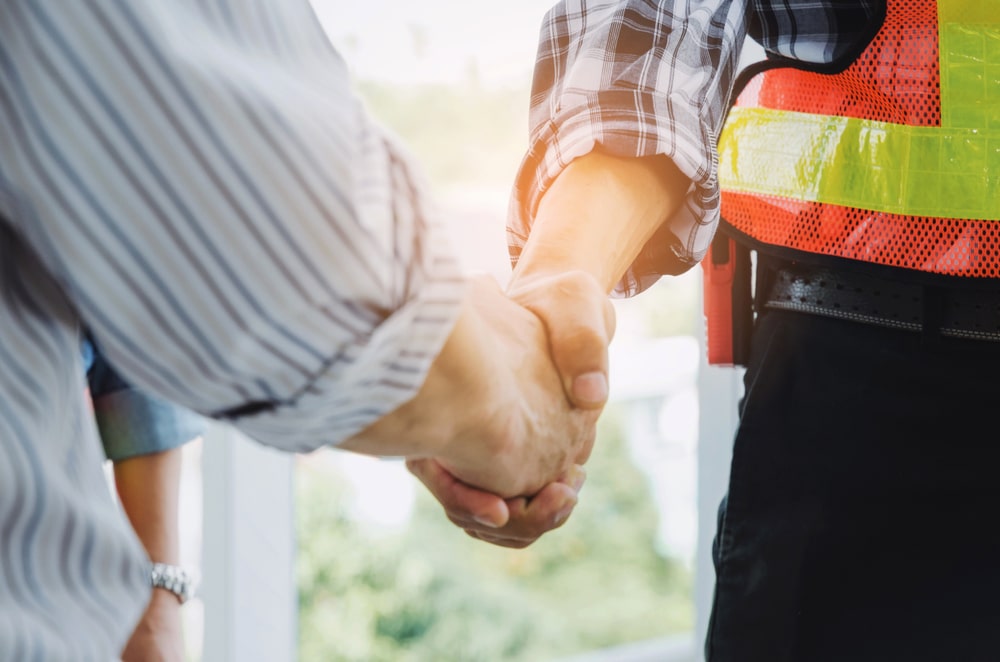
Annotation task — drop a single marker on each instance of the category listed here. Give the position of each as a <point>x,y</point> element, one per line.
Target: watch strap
<point>173,578</point>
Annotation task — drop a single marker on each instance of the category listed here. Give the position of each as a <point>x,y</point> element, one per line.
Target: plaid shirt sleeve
<point>642,77</point>
<point>633,78</point>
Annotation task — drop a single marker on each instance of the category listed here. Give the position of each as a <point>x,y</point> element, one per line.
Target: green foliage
<point>433,594</point>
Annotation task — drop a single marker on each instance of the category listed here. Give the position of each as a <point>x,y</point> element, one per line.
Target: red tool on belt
<point>728,303</point>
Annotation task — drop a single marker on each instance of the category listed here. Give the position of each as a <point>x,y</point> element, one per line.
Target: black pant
<point>861,521</point>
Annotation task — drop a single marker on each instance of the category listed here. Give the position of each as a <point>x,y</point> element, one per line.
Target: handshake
<point>507,413</point>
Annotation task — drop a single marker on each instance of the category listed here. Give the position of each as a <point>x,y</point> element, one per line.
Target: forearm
<point>598,215</point>
<point>632,80</point>
<point>148,487</point>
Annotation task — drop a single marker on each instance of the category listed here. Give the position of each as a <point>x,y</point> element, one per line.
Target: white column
<point>248,580</point>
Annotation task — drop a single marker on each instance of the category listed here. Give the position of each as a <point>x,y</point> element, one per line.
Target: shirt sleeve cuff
<point>376,373</point>
<point>623,124</point>
<point>132,423</point>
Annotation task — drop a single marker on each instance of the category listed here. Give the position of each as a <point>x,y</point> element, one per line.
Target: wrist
<point>598,215</point>
<point>455,398</point>
<point>163,601</point>
<point>159,634</point>
<point>171,581</point>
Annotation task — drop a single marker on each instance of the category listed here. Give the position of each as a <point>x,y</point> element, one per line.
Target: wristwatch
<point>173,578</point>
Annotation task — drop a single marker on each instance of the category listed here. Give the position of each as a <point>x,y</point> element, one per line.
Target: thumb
<point>580,322</point>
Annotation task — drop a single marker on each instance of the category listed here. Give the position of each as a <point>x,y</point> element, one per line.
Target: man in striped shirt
<point>196,184</point>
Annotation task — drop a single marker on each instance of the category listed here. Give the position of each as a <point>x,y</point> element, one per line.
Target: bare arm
<point>148,487</point>
<point>598,215</point>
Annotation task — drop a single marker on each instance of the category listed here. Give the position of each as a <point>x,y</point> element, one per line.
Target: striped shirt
<point>639,78</point>
<point>195,184</point>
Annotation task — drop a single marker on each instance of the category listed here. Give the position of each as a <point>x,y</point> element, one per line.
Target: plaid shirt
<point>641,78</point>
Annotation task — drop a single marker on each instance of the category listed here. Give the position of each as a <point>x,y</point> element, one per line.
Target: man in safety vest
<point>861,162</point>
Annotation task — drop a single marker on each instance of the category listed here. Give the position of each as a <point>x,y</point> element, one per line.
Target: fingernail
<point>484,521</point>
<point>578,480</point>
<point>591,387</point>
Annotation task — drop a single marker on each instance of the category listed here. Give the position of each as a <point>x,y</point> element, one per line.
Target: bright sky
<point>435,40</point>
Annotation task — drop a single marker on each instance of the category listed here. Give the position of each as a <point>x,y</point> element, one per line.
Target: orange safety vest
<point>894,161</point>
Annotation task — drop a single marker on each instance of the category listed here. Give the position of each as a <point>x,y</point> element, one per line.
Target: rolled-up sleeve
<point>633,78</point>
<point>233,228</point>
<point>132,422</point>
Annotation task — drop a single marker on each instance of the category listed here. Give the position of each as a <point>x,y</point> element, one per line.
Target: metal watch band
<point>173,578</point>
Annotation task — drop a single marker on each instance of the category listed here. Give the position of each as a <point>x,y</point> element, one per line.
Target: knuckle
<point>579,344</point>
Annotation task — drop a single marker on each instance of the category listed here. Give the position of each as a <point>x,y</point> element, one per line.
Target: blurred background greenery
<point>431,594</point>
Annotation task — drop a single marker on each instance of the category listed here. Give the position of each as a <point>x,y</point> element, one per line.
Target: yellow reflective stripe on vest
<point>969,42</point>
<point>909,170</point>
<point>951,171</point>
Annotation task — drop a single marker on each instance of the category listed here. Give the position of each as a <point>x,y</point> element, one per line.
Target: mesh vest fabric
<point>894,161</point>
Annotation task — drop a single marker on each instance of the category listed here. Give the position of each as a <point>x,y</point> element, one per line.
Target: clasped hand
<point>507,413</point>
<point>554,347</point>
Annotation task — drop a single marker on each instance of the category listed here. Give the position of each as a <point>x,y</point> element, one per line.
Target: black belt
<point>955,312</point>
